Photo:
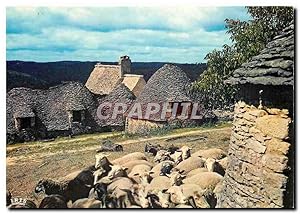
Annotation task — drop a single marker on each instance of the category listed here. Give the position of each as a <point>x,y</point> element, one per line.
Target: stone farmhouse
<point>170,85</point>
<point>261,153</point>
<point>71,108</point>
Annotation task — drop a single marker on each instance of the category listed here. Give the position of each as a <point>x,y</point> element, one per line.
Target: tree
<point>248,39</point>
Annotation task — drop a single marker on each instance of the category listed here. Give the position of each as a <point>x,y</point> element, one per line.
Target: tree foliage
<point>248,39</point>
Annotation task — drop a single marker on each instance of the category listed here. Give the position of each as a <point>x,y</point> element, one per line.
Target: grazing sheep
<point>210,153</point>
<point>140,172</point>
<point>177,157</point>
<point>159,183</point>
<point>98,174</point>
<point>72,187</point>
<point>223,162</point>
<point>161,168</point>
<point>102,162</point>
<point>53,201</point>
<point>213,166</point>
<point>164,199</point>
<point>108,146</point>
<point>129,157</point>
<point>86,203</point>
<point>131,164</point>
<point>196,171</point>
<point>176,178</point>
<point>117,171</point>
<point>166,168</point>
<point>172,149</point>
<point>186,152</point>
<point>189,164</point>
<point>206,180</point>
<point>151,148</point>
<point>162,155</point>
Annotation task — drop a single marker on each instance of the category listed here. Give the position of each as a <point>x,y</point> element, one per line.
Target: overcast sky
<point>103,34</point>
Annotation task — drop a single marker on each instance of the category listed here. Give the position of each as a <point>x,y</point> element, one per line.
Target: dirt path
<point>173,135</point>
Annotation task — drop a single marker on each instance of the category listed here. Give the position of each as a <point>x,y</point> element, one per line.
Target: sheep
<point>98,174</point>
<point>177,157</point>
<point>196,171</point>
<point>194,195</point>
<point>166,168</point>
<point>189,164</point>
<point>131,164</point>
<point>164,199</point>
<point>223,162</point>
<point>86,203</point>
<point>53,201</point>
<point>162,155</point>
<point>158,170</point>
<point>117,171</point>
<point>108,146</point>
<point>210,153</point>
<point>140,173</point>
<point>186,152</point>
<point>121,189</point>
<point>206,180</point>
<point>157,184</point>
<point>129,157</point>
<point>176,178</point>
<point>151,148</point>
<point>72,187</point>
<point>190,194</point>
<point>102,162</point>
<point>213,166</point>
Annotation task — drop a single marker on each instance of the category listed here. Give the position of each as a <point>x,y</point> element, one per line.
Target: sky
<point>146,34</point>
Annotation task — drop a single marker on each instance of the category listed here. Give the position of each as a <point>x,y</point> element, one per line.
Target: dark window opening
<point>77,116</point>
<point>25,122</point>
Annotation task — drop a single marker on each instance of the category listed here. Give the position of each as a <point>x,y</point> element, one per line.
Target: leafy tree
<point>248,39</point>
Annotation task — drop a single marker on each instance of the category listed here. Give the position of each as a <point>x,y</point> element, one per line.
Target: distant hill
<point>44,75</point>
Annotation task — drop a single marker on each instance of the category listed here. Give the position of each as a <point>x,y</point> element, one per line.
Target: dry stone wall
<point>258,163</point>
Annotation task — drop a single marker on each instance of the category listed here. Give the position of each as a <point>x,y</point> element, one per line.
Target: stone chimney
<point>125,63</point>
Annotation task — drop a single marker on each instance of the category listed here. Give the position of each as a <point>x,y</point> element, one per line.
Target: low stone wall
<point>135,126</point>
<point>256,176</point>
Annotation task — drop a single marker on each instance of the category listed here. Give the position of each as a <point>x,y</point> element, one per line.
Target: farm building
<point>71,108</point>
<point>61,110</point>
<point>104,78</point>
<point>261,153</point>
<point>168,85</point>
<point>120,94</point>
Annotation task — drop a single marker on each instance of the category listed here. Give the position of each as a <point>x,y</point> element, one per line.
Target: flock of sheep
<point>177,179</point>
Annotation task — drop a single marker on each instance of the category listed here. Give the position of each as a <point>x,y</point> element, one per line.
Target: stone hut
<point>168,85</point>
<point>104,78</point>
<point>261,153</point>
<point>66,109</point>
<point>121,95</point>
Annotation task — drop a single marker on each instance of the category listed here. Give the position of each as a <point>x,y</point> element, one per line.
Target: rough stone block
<point>258,113</point>
<point>275,180</point>
<point>276,146</point>
<point>276,163</point>
<point>274,126</point>
<point>255,145</point>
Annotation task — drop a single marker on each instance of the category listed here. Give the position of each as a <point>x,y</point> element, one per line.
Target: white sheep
<point>189,164</point>
<point>129,157</point>
<point>214,153</point>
